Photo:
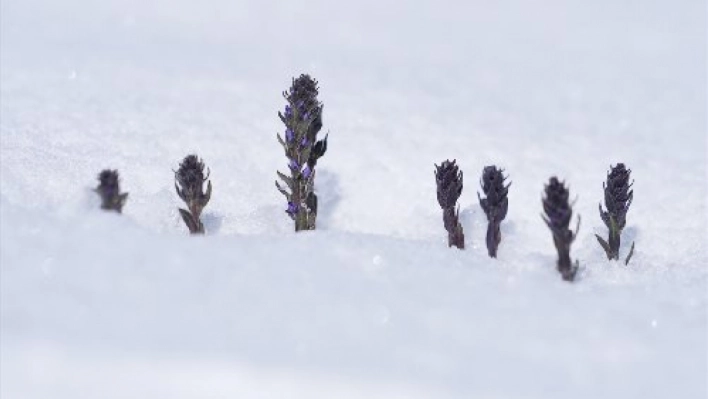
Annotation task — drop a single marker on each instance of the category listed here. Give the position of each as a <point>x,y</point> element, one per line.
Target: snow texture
<point>373,304</point>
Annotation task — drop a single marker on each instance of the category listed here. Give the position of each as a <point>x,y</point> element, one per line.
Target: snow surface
<point>373,304</point>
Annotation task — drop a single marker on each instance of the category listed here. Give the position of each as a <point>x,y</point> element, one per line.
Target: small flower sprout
<point>303,120</point>
<point>558,213</point>
<point>448,179</point>
<point>109,190</point>
<point>495,205</point>
<point>189,184</point>
<point>618,198</point>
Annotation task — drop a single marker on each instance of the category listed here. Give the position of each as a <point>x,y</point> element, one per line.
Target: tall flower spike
<point>618,198</point>
<point>302,120</point>
<point>448,179</point>
<point>557,216</point>
<point>189,184</point>
<point>495,205</point>
<point>109,190</point>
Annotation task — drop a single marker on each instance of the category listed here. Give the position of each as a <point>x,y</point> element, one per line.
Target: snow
<point>372,304</point>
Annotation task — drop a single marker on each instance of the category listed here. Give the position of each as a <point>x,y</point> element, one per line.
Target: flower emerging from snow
<point>303,120</point>
<point>189,184</point>
<point>448,179</point>
<point>109,190</point>
<point>618,198</point>
<point>495,205</point>
<point>558,213</point>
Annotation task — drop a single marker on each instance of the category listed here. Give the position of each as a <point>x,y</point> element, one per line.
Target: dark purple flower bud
<point>556,206</point>
<point>294,165</point>
<point>304,142</point>
<point>303,95</point>
<point>495,205</point>
<point>189,185</point>
<point>109,190</point>
<point>618,198</point>
<point>306,172</point>
<point>292,208</point>
<point>289,135</point>
<point>449,182</point>
<point>288,111</point>
<point>190,176</point>
<point>557,217</point>
<point>448,179</point>
<point>317,151</point>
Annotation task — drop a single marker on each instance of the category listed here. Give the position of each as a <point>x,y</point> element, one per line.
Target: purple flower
<point>303,120</point>
<point>109,190</point>
<point>558,212</point>
<point>495,205</point>
<point>306,172</point>
<point>292,208</point>
<point>448,179</point>
<point>618,198</point>
<point>189,184</point>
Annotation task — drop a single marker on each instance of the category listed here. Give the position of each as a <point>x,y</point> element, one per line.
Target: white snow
<point>373,304</point>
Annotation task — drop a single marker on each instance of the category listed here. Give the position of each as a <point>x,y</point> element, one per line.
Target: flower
<point>303,95</point>
<point>190,177</point>
<point>556,206</point>
<point>109,191</point>
<point>189,184</point>
<point>303,120</point>
<point>618,196</point>
<point>292,209</point>
<point>557,217</point>
<point>449,183</point>
<point>448,179</point>
<point>495,205</point>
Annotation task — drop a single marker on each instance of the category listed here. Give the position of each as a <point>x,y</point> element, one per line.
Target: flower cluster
<point>495,205</point>
<point>109,190</point>
<point>189,184</point>
<point>303,120</point>
<point>558,213</point>
<point>618,198</point>
<point>448,179</point>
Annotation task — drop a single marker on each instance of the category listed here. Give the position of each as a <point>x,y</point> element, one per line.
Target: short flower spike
<point>557,215</point>
<point>618,198</point>
<point>495,205</point>
<point>109,190</point>
<point>189,184</point>
<point>448,179</point>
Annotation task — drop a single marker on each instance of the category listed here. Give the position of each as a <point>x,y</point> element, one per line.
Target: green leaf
<point>631,252</point>
<point>288,180</point>
<point>282,191</point>
<point>605,246</point>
